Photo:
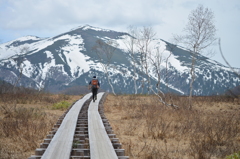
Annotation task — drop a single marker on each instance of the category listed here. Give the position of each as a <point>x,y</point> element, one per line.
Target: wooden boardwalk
<point>61,145</point>
<point>82,132</point>
<point>100,144</point>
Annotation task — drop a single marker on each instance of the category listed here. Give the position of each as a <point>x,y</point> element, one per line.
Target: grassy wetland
<point>150,130</point>
<point>146,128</point>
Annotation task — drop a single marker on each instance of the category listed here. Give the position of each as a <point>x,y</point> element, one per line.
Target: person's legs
<point>94,91</point>
<point>93,95</point>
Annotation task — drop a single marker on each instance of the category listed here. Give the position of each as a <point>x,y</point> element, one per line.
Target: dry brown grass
<point>150,130</point>
<point>146,128</point>
<point>25,120</point>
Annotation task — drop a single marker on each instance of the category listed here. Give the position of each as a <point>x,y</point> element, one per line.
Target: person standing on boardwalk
<point>94,84</point>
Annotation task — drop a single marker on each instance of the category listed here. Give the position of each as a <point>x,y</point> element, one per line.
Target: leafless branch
<point>220,49</point>
<point>200,33</point>
<point>105,51</point>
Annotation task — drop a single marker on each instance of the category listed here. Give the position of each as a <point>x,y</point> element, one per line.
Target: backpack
<point>94,83</point>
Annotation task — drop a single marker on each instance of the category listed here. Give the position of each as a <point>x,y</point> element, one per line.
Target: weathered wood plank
<point>100,144</point>
<point>61,145</point>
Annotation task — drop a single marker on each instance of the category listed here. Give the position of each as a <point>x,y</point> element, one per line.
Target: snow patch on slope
<point>78,62</point>
<point>156,47</point>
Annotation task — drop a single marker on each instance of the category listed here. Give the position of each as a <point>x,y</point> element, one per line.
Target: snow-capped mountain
<point>68,60</point>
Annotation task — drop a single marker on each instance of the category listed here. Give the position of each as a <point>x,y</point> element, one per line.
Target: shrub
<point>61,105</point>
<point>234,156</point>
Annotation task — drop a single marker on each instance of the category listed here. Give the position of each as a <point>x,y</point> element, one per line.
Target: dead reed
<point>150,130</point>
<point>25,120</point>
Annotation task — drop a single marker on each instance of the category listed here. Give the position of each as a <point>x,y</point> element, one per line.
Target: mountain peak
<point>89,27</point>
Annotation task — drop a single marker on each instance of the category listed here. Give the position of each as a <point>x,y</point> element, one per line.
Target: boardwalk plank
<point>100,144</point>
<point>61,145</point>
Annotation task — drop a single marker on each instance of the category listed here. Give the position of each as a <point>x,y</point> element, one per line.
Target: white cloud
<point>23,14</point>
<point>51,17</point>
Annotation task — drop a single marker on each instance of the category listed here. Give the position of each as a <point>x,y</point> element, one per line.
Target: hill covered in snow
<point>68,61</point>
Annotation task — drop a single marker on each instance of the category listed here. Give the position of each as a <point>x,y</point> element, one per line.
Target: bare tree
<point>148,57</point>
<point>105,51</point>
<point>171,48</point>
<point>131,48</point>
<point>200,33</point>
<point>145,38</point>
<point>19,60</point>
<point>156,60</point>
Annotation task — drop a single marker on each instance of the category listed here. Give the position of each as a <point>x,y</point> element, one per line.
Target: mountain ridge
<point>68,60</point>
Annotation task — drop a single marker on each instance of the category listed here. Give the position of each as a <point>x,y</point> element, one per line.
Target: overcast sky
<point>46,18</point>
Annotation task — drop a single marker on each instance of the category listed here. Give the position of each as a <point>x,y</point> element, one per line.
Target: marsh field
<point>150,130</point>
<point>146,128</point>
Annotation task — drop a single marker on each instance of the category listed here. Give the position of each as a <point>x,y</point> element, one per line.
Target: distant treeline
<point>6,87</point>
